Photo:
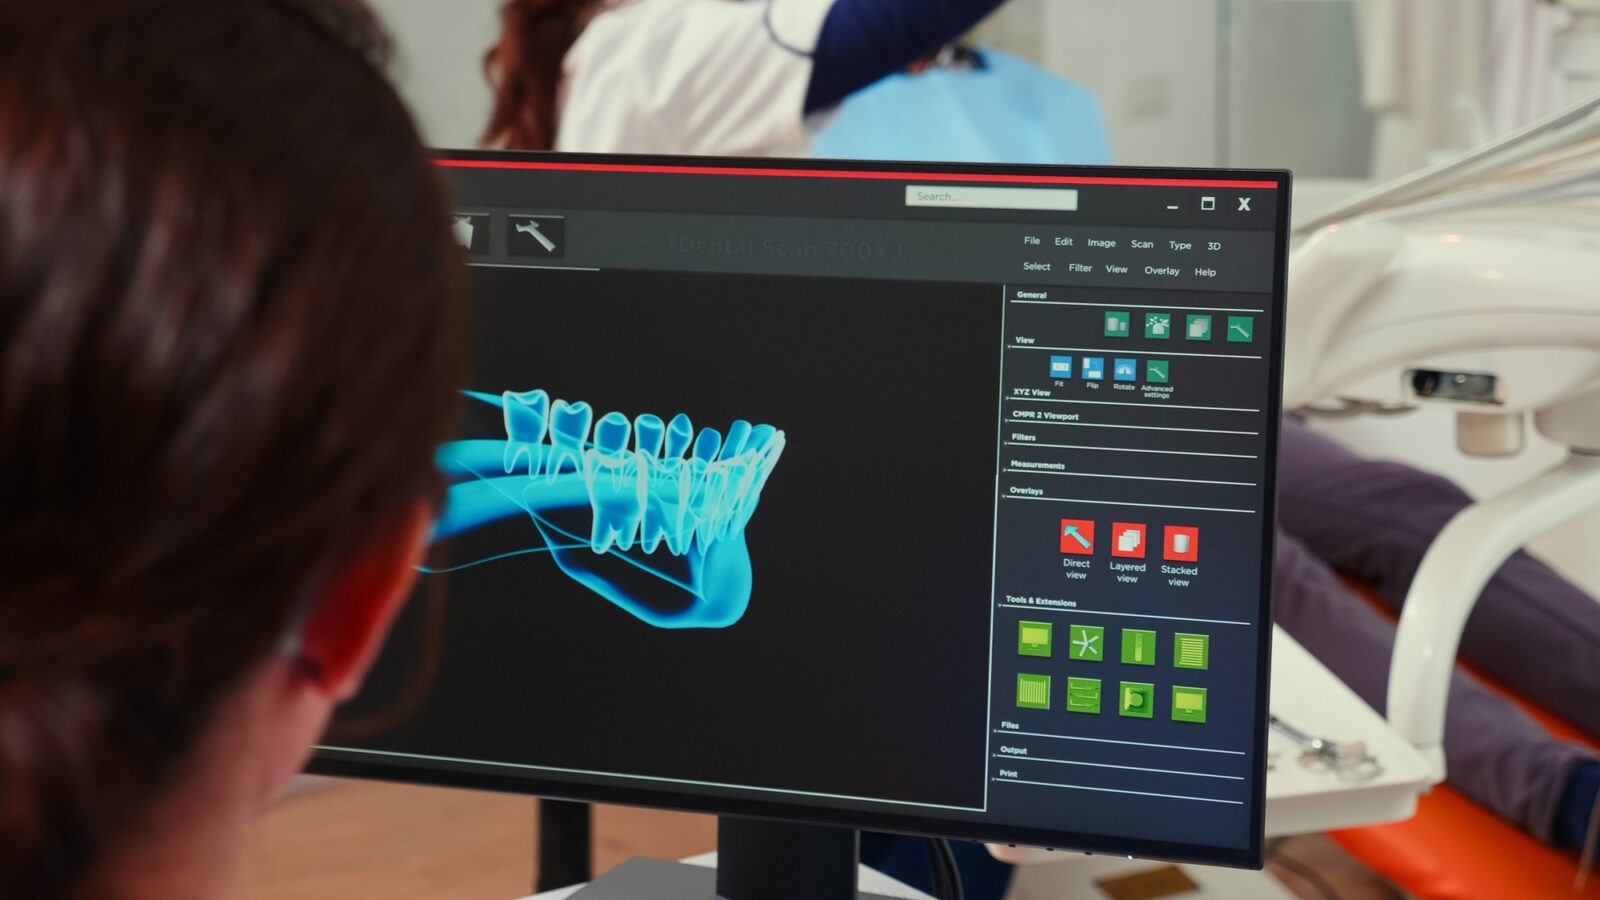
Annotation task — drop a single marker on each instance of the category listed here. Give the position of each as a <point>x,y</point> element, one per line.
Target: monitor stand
<point>757,859</point>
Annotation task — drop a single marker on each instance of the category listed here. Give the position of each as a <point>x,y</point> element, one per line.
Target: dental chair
<point>1476,285</point>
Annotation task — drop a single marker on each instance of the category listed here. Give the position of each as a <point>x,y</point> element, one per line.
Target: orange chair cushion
<point>1453,849</point>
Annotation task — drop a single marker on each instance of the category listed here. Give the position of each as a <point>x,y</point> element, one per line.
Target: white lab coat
<point>717,77</point>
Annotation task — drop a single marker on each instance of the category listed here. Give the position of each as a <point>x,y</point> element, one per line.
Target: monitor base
<point>641,878</point>
<point>757,859</point>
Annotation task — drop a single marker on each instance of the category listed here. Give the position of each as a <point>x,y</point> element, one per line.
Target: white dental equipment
<point>1475,283</point>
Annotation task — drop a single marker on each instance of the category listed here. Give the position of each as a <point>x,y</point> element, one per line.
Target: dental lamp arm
<point>1453,573</point>
<point>1328,276</point>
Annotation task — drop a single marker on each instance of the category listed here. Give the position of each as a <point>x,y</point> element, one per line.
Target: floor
<point>351,840</point>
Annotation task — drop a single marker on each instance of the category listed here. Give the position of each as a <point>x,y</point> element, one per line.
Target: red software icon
<point>1077,536</point>
<point>1181,544</point>
<point>1127,539</point>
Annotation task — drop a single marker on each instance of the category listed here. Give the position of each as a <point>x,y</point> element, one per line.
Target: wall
<point>440,63</point>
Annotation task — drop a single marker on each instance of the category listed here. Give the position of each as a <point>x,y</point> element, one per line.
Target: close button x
<point>1244,204</point>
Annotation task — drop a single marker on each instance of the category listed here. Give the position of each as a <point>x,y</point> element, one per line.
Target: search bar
<point>1058,199</point>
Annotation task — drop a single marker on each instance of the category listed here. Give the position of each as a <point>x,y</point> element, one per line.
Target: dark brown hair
<point>231,322</point>
<point>524,69</point>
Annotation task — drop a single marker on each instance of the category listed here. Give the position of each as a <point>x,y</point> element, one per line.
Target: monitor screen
<point>912,497</point>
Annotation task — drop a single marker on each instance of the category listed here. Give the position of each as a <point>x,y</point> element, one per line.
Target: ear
<point>346,630</point>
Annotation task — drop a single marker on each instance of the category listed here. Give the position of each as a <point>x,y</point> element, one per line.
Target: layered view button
<point>1127,540</point>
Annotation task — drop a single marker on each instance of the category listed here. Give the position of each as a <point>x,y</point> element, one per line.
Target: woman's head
<point>230,325</point>
<point>524,69</point>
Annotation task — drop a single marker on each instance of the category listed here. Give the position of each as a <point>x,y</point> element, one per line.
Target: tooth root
<point>617,497</point>
<point>657,505</point>
<point>716,485</point>
<point>569,429</point>
<point>733,445</point>
<point>679,431</point>
<point>648,432</point>
<point>682,518</point>
<point>526,417</point>
<point>762,463</point>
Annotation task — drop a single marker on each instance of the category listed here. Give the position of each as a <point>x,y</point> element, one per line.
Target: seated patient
<point>231,325</point>
<point>1372,521</point>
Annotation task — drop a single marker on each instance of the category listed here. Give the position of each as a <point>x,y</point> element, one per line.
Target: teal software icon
<point>1198,328</point>
<point>1158,325</point>
<point>1117,324</point>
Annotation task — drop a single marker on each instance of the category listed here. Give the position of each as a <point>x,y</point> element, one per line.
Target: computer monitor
<point>921,498</point>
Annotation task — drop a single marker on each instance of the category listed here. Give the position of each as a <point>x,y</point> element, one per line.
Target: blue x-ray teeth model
<point>648,486</point>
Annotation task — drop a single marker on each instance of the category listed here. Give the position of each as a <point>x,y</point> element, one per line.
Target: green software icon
<point>1083,695</point>
<point>1033,638</point>
<point>1241,329</point>
<point>1086,643</point>
<point>1191,651</point>
<point>1188,704</point>
<point>1033,691</point>
<point>1158,326</point>
<point>1198,328</point>
<point>1117,324</point>
<point>1138,647</point>
<point>1137,700</point>
<point>1156,371</point>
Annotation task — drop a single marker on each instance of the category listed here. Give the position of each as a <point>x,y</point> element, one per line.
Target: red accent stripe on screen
<point>972,177</point>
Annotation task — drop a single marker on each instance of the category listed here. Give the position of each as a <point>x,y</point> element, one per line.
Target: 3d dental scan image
<point>637,501</point>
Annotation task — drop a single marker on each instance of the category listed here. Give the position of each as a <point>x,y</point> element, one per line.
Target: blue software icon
<point>1060,367</point>
<point>1094,368</point>
<point>1125,370</point>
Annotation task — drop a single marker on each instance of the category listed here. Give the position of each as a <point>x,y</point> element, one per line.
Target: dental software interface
<point>925,499</point>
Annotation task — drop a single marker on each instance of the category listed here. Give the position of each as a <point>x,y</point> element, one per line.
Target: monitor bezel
<point>326,761</point>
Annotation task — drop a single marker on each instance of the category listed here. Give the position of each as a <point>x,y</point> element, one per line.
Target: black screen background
<point>861,666</point>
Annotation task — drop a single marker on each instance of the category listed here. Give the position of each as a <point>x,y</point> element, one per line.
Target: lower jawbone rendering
<point>658,528</point>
